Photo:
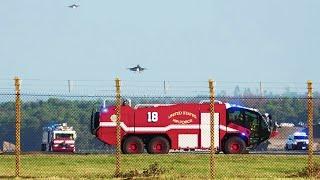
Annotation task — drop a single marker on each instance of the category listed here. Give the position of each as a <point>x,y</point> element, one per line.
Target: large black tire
<point>235,145</point>
<point>158,145</point>
<point>132,145</point>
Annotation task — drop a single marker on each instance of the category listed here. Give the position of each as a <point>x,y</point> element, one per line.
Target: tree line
<point>37,113</point>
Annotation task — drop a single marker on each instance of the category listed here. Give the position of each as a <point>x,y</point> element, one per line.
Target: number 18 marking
<point>152,116</point>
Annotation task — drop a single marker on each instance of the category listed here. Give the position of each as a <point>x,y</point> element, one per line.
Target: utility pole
<point>69,85</point>
<point>260,88</point>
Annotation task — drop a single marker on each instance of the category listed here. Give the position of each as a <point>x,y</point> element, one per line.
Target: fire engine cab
<point>159,128</point>
<point>58,138</point>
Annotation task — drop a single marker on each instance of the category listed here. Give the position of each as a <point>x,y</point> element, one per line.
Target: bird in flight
<point>137,68</point>
<point>74,6</point>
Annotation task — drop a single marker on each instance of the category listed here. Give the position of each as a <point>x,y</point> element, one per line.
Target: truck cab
<point>258,126</point>
<point>58,138</point>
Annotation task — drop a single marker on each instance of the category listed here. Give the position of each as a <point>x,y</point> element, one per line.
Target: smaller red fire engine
<point>58,138</point>
<point>158,128</point>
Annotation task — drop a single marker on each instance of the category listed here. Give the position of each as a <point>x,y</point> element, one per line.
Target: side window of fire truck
<point>252,119</point>
<point>235,115</point>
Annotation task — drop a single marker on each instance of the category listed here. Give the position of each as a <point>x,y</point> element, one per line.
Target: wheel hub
<point>133,147</point>
<point>159,147</point>
<point>235,147</point>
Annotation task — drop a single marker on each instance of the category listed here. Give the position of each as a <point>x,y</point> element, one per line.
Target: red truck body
<point>159,128</point>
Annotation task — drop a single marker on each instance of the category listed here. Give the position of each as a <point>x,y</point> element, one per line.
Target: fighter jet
<point>137,68</point>
<point>74,6</point>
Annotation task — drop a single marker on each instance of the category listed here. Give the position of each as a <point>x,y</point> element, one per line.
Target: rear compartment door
<point>205,130</point>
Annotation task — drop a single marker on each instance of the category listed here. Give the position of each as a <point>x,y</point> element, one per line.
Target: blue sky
<point>187,40</point>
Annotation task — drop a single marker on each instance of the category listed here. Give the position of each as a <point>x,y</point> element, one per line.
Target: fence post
<point>118,112</point>
<point>212,148</point>
<point>18,125</point>
<point>310,129</point>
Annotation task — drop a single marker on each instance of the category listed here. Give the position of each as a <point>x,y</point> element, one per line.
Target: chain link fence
<point>165,131</point>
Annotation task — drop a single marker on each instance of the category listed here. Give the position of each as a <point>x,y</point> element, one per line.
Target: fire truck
<point>159,128</point>
<point>58,138</point>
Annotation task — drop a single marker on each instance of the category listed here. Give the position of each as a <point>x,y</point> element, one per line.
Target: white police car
<point>297,141</point>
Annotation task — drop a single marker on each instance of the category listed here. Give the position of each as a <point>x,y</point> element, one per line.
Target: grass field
<point>184,166</point>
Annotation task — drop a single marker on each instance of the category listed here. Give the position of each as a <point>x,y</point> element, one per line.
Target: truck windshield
<point>64,136</point>
<point>300,137</point>
<point>251,120</point>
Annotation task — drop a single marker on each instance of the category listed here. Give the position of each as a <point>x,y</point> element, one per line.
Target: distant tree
<point>247,92</point>
<point>237,92</point>
<point>289,93</point>
<point>222,93</point>
<point>316,94</point>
